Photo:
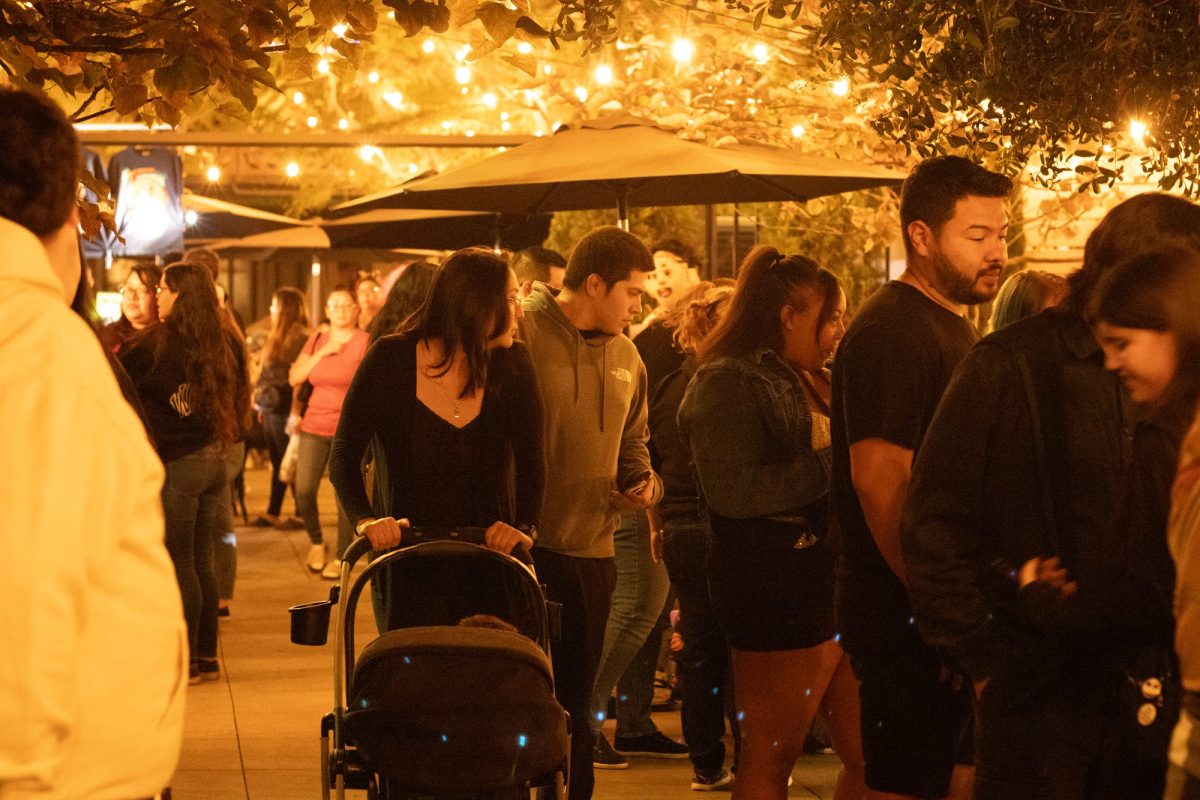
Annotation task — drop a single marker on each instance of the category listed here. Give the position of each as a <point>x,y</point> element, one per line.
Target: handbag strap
<point>1039,441</point>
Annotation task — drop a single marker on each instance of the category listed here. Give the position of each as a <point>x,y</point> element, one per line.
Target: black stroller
<point>434,709</point>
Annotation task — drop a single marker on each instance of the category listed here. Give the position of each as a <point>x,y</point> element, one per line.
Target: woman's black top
<point>450,483</point>
<point>156,361</point>
<point>379,412</point>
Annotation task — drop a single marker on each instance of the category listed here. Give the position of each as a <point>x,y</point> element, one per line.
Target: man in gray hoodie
<point>594,388</point>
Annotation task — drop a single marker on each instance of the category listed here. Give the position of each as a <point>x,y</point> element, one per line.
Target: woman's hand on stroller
<point>383,533</point>
<point>503,538</point>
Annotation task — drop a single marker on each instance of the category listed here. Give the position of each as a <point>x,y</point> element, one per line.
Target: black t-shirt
<point>889,374</point>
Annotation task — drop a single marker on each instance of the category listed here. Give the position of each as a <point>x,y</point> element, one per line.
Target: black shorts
<point>917,721</point>
<point>766,594</point>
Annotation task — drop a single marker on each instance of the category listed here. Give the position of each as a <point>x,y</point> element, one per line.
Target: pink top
<point>330,380</point>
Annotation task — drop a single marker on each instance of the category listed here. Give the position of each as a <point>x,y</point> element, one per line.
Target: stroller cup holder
<point>310,621</point>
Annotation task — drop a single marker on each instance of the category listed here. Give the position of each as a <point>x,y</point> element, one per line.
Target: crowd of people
<point>975,559</point>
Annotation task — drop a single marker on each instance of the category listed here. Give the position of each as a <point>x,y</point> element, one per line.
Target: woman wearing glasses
<point>190,375</point>
<point>327,362</point>
<point>139,307</point>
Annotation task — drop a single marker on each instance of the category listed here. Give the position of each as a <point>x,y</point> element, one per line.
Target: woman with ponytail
<point>756,418</point>
<point>190,375</point>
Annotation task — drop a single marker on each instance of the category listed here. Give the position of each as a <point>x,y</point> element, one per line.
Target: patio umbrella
<point>209,218</point>
<point>402,228</point>
<point>625,161</point>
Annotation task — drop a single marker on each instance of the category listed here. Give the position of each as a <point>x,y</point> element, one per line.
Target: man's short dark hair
<point>935,186</point>
<point>534,263</point>
<point>609,252</point>
<point>39,161</point>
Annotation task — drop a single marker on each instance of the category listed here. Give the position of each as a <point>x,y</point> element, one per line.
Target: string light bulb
<point>489,100</point>
<point>604,75</point>
<point>581,92</point>
<point>343,124</point>
<point>369,151</point>
<point>428,45</point>
<point>394,99</point>
<point>292,170</point>
<point>682,50</point>
<point>373,76</point>
<point>191,217</point>
<point>1138,130</point>
<point>840,87</point>
<point>797,131</point>
<point>463,75</point>
<point>298,98</point>
<point>760,53</point>
<point>312,122</point>
<point>213,174</point>
<point>524,48</point>
<point>340,29</point>
<point>323,67</point>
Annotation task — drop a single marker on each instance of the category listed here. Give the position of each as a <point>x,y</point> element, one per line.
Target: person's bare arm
<point>880,472</point>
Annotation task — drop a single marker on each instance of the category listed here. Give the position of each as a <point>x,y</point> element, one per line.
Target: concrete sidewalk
<point>255,733</point>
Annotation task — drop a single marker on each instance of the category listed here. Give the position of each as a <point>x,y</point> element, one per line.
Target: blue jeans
<point>195,498</point>
<point>704,668</point>
<point>630,653</point>
<point>225,547</point>
<point>310,466</point>
<point>277,442</point>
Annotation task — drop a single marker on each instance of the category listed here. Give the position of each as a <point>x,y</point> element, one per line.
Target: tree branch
<point>86,102</point>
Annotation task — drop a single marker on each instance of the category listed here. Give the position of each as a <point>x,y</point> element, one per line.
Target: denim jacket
<point>750,431</point>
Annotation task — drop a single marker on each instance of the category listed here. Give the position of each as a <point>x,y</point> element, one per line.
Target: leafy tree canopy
<point>1076,88</point>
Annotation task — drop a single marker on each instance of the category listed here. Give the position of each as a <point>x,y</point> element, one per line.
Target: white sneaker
<point>333,570</point>
<point>316,557</point>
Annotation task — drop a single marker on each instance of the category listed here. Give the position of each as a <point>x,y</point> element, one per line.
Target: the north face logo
<point>622,374</point>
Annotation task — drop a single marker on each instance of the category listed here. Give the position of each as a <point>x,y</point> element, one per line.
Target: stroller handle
<point>469,534</point>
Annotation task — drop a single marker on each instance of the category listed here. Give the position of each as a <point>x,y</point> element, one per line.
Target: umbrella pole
<point>622,209</point>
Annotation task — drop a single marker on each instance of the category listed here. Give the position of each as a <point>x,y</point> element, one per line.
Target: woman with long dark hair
<point>139,307</point>
<point>273,393</point>
<point>191,377</point>
<point>453,405</point>
<point>756,418</point>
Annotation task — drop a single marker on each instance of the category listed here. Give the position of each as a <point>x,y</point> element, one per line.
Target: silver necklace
<point>452,400</point>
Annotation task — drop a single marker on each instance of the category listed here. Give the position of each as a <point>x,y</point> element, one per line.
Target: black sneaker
<point>707,781</point>
<point>209,669</point>
<point>604,757</point>
<point>652,745</point>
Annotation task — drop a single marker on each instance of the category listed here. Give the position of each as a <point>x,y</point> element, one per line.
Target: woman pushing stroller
<point>450,407</point>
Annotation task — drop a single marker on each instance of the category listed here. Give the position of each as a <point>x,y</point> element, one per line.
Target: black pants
<point>704,663</point>
<point>584,586</point>
<point>1060,743</point>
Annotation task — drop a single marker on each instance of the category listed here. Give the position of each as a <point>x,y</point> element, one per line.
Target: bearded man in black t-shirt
<point>890,372</point>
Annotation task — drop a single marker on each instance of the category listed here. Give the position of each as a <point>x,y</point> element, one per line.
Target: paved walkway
<point>254,734</point>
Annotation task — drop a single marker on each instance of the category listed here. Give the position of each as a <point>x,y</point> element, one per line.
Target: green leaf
<point>499,22</point>
<point>1006,24</point>
<point>130,97</point>
<point>530,26</point>
<point>527,64</point>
